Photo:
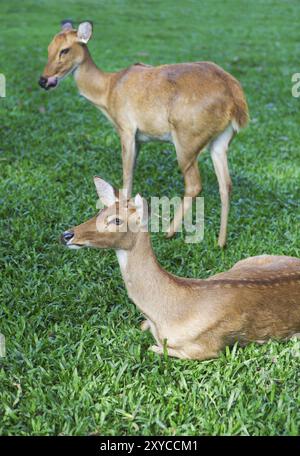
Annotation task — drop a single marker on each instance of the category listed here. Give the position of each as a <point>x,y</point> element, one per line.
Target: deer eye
<point>64,51</point>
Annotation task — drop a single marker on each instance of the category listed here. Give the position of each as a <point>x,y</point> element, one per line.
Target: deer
<point>256,300</point>
<point>193,106</point>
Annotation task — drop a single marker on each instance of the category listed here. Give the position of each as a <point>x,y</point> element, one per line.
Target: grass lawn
<point>77,362</point>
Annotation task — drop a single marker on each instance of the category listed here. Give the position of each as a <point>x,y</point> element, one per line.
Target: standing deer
<point>258,299</point>
<point>192,105</point>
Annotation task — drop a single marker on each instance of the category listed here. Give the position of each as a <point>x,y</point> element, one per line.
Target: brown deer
<point>192,105</point>
<point>258,299</point>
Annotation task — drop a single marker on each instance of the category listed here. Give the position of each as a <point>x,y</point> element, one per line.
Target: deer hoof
<point>156,349</point>
<point>222,243</point>
<point>145,325</point>
<point>170,234</point>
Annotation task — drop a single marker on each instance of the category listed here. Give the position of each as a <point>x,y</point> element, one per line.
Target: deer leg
<point>192,351</point>
<point>218,150</point>
<point>129,153</point>
<point>193,187</point>
<point>187,150</point>
<point>294,336</point>
<point>145,325</point>
<point>170,351</point>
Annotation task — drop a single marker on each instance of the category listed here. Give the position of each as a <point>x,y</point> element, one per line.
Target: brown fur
<point>256,300</point>
<point>192,105</point>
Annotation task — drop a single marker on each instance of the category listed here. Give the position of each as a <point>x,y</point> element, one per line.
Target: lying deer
<point>258,299</point>
<point>192,105</point>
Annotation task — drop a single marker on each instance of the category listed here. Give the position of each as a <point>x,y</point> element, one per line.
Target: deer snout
<point>43,82</point>
<point>48,83</point>
<point>67,236</point>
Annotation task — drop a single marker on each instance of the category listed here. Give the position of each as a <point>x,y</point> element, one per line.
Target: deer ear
<point>105,191</point>
<point>141,209</point>
<point>66,24</point>
<point>84,32</point>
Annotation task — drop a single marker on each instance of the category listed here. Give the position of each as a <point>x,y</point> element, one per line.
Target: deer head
<point>116,226</point>
<point>66,52</point>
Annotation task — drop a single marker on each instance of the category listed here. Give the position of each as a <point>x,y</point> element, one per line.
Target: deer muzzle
<point>48,83</point>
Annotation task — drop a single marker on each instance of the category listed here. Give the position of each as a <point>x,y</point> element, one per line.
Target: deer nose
<point>67,236</point>
<point>43,82</point>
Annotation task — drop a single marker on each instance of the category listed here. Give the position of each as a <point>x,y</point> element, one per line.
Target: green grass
<point>76,360</point>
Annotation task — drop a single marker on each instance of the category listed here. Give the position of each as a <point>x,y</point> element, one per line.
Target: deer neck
<point>148,285</point>
<point>92,82</point>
